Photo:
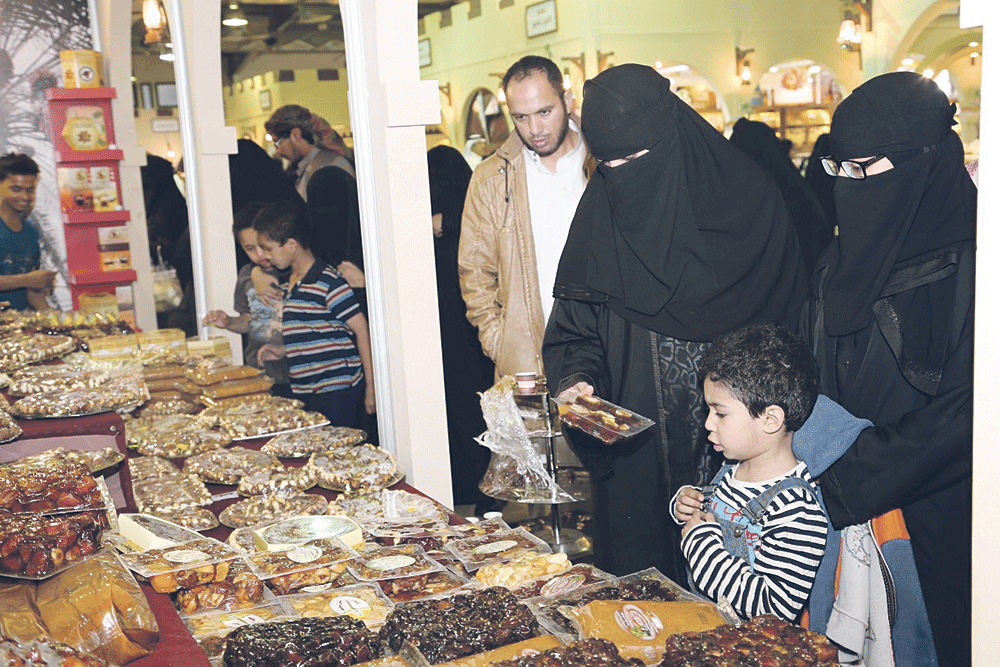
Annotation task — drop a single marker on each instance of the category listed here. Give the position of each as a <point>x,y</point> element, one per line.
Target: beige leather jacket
<point>496,263</point>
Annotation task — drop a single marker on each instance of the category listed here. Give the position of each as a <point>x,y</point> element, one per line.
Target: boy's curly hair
<point>762,365</point>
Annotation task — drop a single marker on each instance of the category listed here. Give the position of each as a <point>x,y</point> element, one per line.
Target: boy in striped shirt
<point>325,333</point>
<point>756,535</point>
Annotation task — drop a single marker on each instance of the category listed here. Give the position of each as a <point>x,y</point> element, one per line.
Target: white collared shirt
<point>552,200</point>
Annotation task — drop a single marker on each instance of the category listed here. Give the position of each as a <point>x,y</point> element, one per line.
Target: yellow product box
<point>82,69</point>
<point>163,339</point>
<point>114,347</point>
<point>214,346</point>
<point>85,128</point>
<point>101,302</point>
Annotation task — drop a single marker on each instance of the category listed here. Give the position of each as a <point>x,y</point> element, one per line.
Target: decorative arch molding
<point>934,10</point>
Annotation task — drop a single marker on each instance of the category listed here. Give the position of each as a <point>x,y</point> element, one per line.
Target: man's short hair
<point>286,118</point>
<point>18,164</point>
<point>763,365</point>
<point>528,65</point>
<point>283,220</point>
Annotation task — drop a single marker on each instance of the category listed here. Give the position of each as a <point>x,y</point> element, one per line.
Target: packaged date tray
<point>475,552</point>
<point>205,375</point>
<point>316,562</point>
<point>364,602</point>
<point>228,388</point>
<point>170,492</point>
<point>605,421</point>
<point>404,560</point>
<point>186,565</point>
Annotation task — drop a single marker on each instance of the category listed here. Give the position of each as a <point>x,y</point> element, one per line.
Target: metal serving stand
<point>543,425</point>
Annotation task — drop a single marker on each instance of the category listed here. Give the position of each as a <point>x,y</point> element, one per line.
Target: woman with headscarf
<point>759,142</point>
<point>678,238</point>
<point>892,324</point>
<point>820,182</point>
<point>467,371</point>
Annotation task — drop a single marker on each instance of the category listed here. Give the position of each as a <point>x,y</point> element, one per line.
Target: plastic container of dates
<point>241,589</point>
<point>211,629</point>
<point>554,585</point>
<point>187,565</point>
<point>441,583</point>
<point>47,545</point>
<point>404,560</point>
<point>365,602</point>
<point>170,492</point>
<point>605,421</point>
<point>475,552</point>
<point>312,563</point>
<point>54,489</point>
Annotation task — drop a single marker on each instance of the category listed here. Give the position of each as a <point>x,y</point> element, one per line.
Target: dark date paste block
<point>303,642</point>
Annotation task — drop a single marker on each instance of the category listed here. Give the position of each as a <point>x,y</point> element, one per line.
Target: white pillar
<point>115,31</point>
<point>389,107</point>
<point>207,144</point>
<point>985,462</point>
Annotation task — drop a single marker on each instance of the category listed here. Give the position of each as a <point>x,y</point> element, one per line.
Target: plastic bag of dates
<point>444,629</point>
<point>187,565</point>
<point>46,653</point>
<point>340,640</point>
<point>771,642</point>
<point>312,563</point>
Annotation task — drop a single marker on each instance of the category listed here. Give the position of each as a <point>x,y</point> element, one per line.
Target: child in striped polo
<point>326,335</point>
<point>756,535</point>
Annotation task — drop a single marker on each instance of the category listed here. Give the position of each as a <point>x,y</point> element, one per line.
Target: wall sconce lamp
<point>234,16</point>
<point>975,54</point>
<point>154,19</point>
<point>580,62</point>
<point>743,65</point>
<point>603,60</point>
<point>446,91</point>
<point>567,79</point>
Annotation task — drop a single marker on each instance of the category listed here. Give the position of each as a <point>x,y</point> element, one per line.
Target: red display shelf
<point>103,278</point>
<point>105,93</point>
<point>88,218</point>
<point>111,155</point>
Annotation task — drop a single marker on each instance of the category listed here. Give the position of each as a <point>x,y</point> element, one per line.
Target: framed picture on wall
<point>265,100</point>
<point>540,18</point>
<point>166,95</point>
<point>424,52</point>
<point>165,125</point>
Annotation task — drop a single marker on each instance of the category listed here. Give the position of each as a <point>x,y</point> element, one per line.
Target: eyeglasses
<point>278,140</point>
<point>852,168</point>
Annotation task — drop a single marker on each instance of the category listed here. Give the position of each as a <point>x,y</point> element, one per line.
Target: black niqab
<point>922,204</point>
<point>690,239</point>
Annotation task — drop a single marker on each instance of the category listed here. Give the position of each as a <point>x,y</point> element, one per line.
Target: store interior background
<point>293,53</point>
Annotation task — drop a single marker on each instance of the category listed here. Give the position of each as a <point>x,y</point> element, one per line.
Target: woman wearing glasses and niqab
<point>678,239</point>
<point>891,325</point>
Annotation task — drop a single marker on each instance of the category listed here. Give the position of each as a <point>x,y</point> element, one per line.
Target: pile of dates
<point>312,642</point>
<point>763,641</point>
<point>462,625</point>
<point>59,487</point>
<point>582,653</point>
<point>34,546</point>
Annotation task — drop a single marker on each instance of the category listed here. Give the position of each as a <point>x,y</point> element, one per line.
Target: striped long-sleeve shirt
<point>793,536</point>
<point>322,354</point>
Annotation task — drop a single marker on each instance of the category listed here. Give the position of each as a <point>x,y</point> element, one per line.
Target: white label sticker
<point>186,556</point>
<point>304,554</point>
<point>351,606</point>
<point>318,588</point>
<point>239,621</point>
<point>641,624</point>
<point>390,563</point>
<point>563,584</point>
<point>494,547</point>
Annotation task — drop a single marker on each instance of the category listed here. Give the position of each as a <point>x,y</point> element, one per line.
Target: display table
<point>177,646</point>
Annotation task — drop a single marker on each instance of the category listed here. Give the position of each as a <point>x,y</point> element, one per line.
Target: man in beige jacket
<point>517,213</point>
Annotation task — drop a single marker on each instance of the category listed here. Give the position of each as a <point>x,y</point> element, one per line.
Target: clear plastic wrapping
<point>115,394</point>
<point>38,546</point>
<point>170,492</point>
<point>352,468</point>
<point>262,509</point>
<point>228,388</point>
<point>98,607</point>
<point>228,466</point>
<point>302,444</point>
<point>522,569</point>
<point>209,375</point>
<point>476,552</point>
<point>312,563</point>
<point>22,349</point>
<point>517,471</point>
<point>185,565</point>
<point>364,602</point>
<point>36,379</point>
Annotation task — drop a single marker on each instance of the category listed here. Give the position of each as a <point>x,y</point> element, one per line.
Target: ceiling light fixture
<point>234,16</point>
<point>154,19</point>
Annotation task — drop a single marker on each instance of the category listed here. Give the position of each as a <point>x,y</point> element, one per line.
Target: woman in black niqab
<point>682,242</point>
<point>892,327</point>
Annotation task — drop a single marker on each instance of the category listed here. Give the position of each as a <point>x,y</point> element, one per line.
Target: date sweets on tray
<point>763,641</point>
<point>339,640</point>
<point>34,547</point>
<point>461,625</point>
<point>582,653</point>
<point>62,486</point>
